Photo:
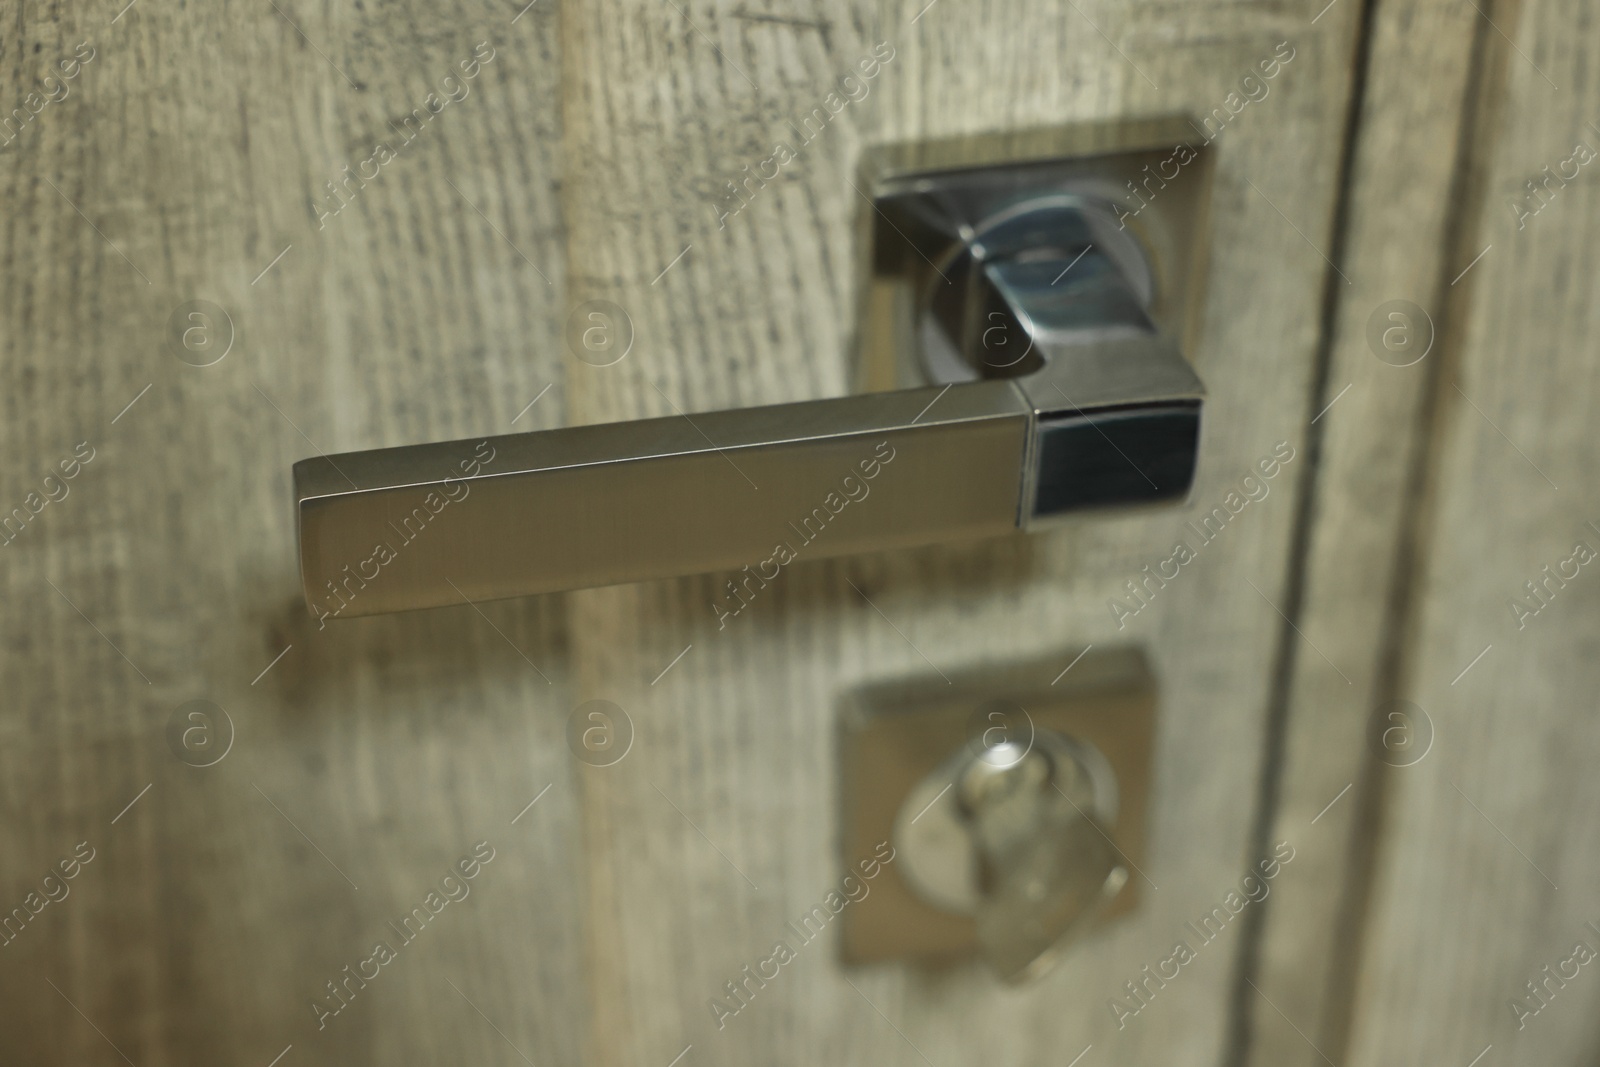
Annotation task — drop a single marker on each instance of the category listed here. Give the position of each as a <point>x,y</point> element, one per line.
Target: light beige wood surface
<point>1406,198</point>
<point>720,826</point>
<point>186,155</point>
<point>588,162</point>
<point>1489,858</point>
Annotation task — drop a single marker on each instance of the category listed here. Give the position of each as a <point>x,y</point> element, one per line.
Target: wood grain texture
<point>1489,860</point>
<point>1404,197</point>
<point>588,162</point>
<point>186,155</point>
<point>719,827</point>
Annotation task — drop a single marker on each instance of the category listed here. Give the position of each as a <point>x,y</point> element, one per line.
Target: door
<point>244,235</point>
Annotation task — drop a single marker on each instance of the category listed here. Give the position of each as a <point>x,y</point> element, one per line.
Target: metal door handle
<point>1050,389</point>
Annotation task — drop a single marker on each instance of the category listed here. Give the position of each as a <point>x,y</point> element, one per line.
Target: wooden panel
<point>1489,859</point>
<point>1405,178</point>
<point>718,828</point>
<point>188,160</point>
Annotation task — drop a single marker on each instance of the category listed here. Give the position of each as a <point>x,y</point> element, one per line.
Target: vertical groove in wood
<point>1464,909</point>
<point>1406,149</point>
<point>1245,1016</point>
<point>1479,129</point>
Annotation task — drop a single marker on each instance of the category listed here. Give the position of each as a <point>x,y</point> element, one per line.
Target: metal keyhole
<point>1016,837</point>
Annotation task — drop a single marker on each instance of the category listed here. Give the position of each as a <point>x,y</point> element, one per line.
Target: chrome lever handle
<point>1099,409</point>
<point>749,489</point>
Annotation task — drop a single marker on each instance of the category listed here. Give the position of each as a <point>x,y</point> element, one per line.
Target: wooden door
<point>385,219</point>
